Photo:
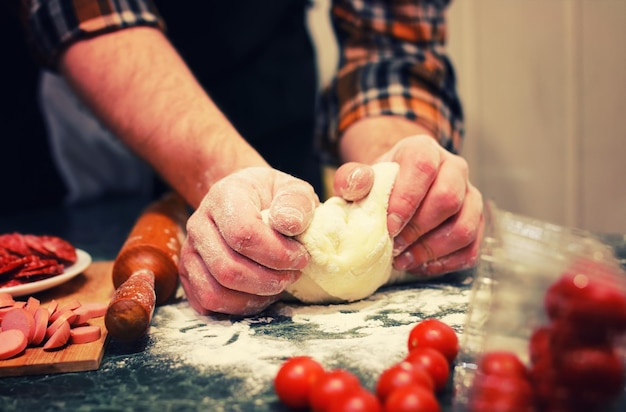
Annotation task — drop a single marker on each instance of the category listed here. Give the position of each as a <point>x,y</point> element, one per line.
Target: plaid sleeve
<point>52,25</point>
<point>392,62</point>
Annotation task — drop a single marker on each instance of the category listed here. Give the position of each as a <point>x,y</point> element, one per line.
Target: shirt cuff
<point>401,87</point>
<point>52,25</point>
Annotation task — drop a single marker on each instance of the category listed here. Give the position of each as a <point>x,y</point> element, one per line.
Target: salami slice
<point>44,246</point>
<point>27,258</point>
<point>15,244</point>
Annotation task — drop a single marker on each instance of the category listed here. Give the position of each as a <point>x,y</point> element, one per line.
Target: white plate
<point>82,262</point>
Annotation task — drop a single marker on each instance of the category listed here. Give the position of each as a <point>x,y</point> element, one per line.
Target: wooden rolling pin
<point>145,272</point>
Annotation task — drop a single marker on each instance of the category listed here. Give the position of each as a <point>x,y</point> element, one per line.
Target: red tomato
<point>593,370</point>
<point>588,292</point>
<point>330,386</point>
<point>501,404</point>
<point>539,343</point>
<point>411,398</point>
<point>400,374</point>
<point>566,335</point>
<point>433,362</point>
<point>433,333</point>
<point>359,400</point>
<point>502,390</point>
<point>502,363</point>
<point>551,395</point>
<point>294,380</point>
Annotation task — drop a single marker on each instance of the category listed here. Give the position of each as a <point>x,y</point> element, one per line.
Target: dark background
<point>28,176</point>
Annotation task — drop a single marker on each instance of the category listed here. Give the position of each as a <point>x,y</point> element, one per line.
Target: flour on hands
<point>350,247</point>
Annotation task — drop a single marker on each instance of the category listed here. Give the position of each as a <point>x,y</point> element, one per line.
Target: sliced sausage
<point>41,324</point>
<point>65,307</point>
<point>12,342</point>
<point>52,306</point>
<point>66,317</point>
<point>85,334</point>
<point>32,304</point>
<point>6,300</point>
<point>19,318</point>
<point>59,338</point>
<point>96,309</point>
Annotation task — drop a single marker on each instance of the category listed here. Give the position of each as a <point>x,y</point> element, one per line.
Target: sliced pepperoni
<point>15,244</point>
<point>12,342</point>
<point>59,248</point>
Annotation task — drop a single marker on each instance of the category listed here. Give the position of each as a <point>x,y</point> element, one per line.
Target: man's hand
<point>435,214</point>
<point>232,261</point>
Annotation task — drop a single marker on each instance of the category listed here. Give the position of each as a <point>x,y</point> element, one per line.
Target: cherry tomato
<point>502,390</point>
<point>501,404</point>
<point>330,386</point>
<point>502,363</point>
<point>566,335</point>
<point>592,369</point>
<point>539,343</point>
<point>294,380</point>
<point>588,292</point>
<point>433,333</point>
<point>359,400</point>
<point>411,398</point>
<point>433,362</point>
<point>551,395</point>
<point>400,374</point>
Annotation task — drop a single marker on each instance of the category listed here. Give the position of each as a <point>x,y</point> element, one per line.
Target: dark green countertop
<point>219,363</point>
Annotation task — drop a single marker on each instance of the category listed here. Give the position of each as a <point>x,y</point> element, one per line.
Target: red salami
<point>25,258</point>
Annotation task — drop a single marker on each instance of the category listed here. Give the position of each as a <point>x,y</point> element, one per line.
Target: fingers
<point>232,270</point>
<point>218,279</point>
<point>232,261</point>
<point>444,198</point>
<point>420,159</point>
<point>453,245</point>
<point>235,208</point>
<point>353,181</point>
<point>206,295</point>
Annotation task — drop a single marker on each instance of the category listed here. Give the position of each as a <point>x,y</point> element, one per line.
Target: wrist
<point>369,138</point>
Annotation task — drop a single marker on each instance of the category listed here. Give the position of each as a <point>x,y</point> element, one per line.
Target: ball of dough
<point>350,247</point>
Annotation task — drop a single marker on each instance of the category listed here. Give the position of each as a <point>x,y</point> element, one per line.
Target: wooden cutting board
<point>93,285</point>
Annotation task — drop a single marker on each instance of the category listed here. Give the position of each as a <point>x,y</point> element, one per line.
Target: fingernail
<point>300,260</point>
<point>395,224</point>
<point>404,261</point>
<point>399,244</point>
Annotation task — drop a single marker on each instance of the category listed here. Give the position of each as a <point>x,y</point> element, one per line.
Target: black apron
<point>256,61</point>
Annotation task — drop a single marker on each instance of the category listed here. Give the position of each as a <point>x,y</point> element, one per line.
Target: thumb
<point>292,209</point>
<point>353,181</point>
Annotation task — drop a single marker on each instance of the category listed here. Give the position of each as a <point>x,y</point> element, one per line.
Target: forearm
<point>370,137</point>
<point>138,85</point>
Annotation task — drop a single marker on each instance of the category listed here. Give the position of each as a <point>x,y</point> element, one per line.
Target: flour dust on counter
<point>365,336</point>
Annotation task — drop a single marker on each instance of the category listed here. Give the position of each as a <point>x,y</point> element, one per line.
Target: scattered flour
<point>364,337</point>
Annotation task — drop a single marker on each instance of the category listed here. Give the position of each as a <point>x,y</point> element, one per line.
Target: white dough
<point>350,247</point>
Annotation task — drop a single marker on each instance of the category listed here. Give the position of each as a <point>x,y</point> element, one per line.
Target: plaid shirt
<point>392,60</point>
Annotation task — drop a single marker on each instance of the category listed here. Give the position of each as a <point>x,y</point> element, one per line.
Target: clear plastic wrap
<point>554,299</point>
